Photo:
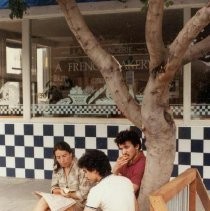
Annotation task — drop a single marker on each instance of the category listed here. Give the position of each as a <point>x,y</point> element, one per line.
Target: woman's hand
<point>56,191</point>
<point>65,193</point>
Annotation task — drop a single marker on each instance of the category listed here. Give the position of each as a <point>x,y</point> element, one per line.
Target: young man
<point>112,192</point>
<point>131,162</point>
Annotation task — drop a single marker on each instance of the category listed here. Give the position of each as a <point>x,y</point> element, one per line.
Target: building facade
<point>51,91</point>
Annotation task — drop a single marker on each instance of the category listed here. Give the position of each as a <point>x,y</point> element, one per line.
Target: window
<point>11,69</point>
<point>200,86</point>
<point>13,60</point>
<point>66,82</point>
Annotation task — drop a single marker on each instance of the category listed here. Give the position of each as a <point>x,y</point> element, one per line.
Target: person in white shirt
<point>112,192</point>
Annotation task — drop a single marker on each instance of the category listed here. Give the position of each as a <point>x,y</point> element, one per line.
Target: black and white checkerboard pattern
<point>177,110</point>
<point>201,110</point>
<point>76,109</point>
<point>26,149</point>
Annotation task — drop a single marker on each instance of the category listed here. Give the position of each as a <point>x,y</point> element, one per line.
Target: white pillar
<point>26,68</point>
<point>187,80</point>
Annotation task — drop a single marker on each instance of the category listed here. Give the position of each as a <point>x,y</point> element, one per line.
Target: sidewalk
<point>17,194</point>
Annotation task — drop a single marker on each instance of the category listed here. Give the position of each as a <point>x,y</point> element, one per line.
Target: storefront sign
<point>130,56</point>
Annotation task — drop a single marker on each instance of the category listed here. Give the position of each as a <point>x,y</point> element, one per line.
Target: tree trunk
<point>160,132</point>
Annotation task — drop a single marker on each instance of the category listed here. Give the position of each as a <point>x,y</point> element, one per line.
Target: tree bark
<point>160,133</point>
<point>154,39</point>
<point>197,50</point>
<point>158,124</point>
<point>184,39</point>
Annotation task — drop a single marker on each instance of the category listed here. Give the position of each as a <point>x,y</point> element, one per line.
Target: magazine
<point>56,202</point>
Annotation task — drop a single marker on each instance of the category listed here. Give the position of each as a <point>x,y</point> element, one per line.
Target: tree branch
<point>153,35</point>
<point>107,64</point>
<point>197,50</point>
<point>180,45</point>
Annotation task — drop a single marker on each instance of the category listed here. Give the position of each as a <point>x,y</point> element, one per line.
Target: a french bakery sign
<point>131,57</point>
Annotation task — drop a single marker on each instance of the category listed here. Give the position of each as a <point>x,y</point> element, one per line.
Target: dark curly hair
<point>128,135</point>
<point>63,146</point>
<point>95,160</point>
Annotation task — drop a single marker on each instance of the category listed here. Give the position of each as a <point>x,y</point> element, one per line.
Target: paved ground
<point>17,194</point>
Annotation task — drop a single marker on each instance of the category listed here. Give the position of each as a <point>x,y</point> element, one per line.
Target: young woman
<point>68,180</point>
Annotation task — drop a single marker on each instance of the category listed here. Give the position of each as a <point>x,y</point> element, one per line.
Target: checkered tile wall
<point>26,149</point>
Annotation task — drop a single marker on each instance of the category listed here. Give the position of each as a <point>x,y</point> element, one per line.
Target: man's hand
<point>121,161</point>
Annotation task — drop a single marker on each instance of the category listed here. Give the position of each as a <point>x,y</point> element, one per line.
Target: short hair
<point>95,160</point>
<point>128,135</point>
<point>63,146</point>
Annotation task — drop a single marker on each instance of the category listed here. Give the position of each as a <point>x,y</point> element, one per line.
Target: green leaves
<point>166,2</point>
<point>18,8</point>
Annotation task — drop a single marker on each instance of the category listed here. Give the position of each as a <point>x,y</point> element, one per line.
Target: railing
<point>180,193</point>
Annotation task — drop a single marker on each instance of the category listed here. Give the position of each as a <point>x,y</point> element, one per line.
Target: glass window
<point>66,82</point>
<point>13,59</point>
<point>200,86</point>
<point>172,24</point>
<point>11,69</point>
<point>176,95</point>
<point>200,90</point>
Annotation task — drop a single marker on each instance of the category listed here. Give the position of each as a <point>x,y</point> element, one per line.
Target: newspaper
<point>56,202</point>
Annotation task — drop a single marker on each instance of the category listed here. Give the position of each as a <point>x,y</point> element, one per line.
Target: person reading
<point>69,186</point>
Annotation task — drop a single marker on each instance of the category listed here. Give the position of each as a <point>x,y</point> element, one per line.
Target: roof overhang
<point>101,7</point>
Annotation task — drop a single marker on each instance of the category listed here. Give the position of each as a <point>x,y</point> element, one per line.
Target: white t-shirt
<point>113,193</point>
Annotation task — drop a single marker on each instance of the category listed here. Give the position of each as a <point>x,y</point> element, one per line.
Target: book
<point>56,202</point>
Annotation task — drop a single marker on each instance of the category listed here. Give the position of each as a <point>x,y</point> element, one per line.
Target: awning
<point>4,3</point>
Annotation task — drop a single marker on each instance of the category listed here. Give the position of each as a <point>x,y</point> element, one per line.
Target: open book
<point>56,202</point>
